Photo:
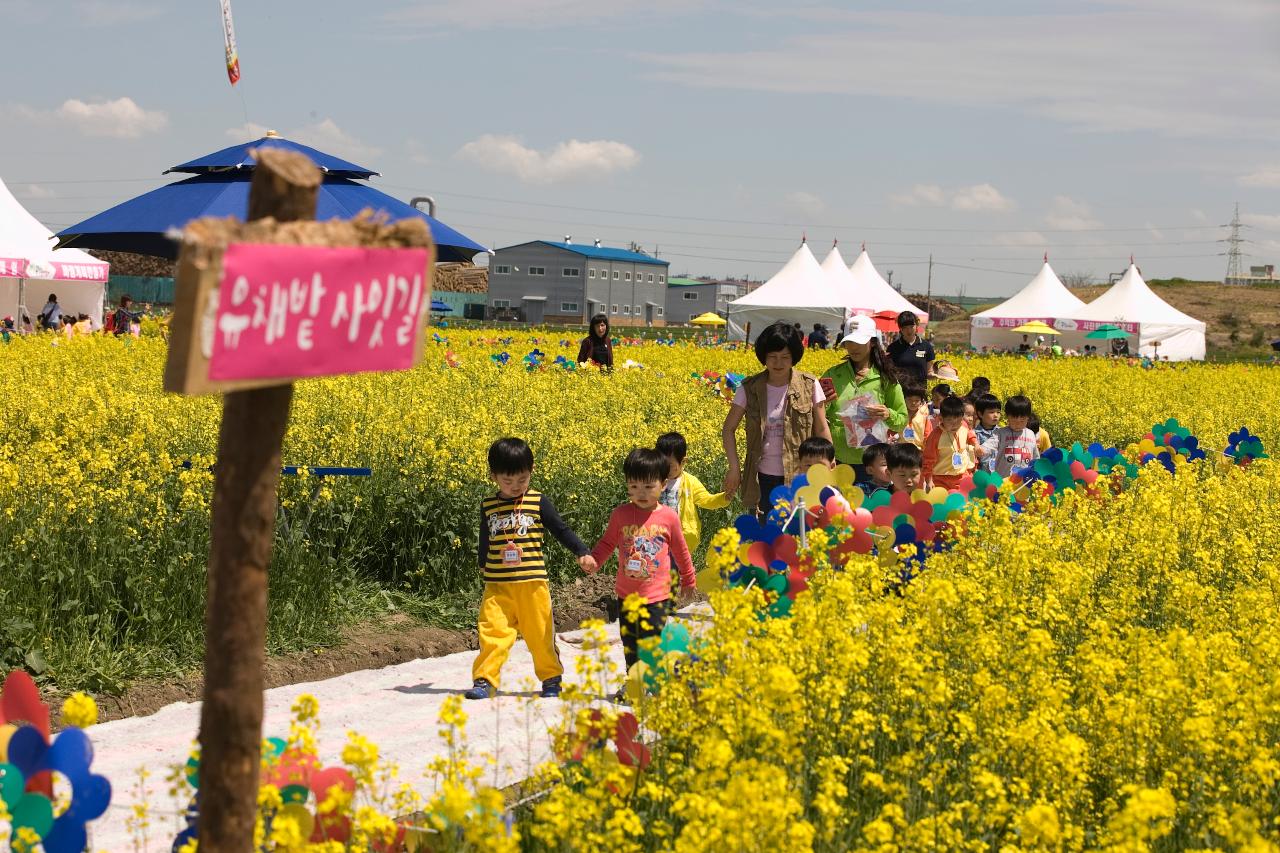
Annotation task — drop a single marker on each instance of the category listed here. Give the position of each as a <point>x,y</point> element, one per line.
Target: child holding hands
<point>517,600</point>
<point>650,542</point>
<point>951,450</point>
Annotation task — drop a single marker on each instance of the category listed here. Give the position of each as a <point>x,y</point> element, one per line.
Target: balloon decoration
<point>723,385</point>
<point>28,762</point>
<point>304,786</point>
<point>1244,447</point>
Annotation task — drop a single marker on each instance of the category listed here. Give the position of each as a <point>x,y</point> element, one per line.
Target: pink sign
<point>53,270</point>
<point>1092,325</point>
<point>79,272</point>
<point>295,311</point>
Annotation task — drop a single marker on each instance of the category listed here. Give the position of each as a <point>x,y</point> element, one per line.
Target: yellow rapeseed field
<point>1093,673</point>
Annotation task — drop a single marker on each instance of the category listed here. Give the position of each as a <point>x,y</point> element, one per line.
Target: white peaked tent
<point>800,292</point>
<point>31,269</point>
<point>1134,307</point>
<point>1044,298</point>
<point>870,292</point>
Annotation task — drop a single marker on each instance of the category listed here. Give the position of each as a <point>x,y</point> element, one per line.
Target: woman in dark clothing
<point>597,346</point>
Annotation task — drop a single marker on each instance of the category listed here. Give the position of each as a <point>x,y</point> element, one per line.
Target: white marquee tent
<point>871,293</point>
<point>801,292</point>
<point>1044,298</point>
<point>1134,307</point>
<point>31,269</point>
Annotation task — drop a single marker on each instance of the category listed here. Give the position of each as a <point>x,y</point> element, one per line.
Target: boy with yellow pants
<point>517,600</point>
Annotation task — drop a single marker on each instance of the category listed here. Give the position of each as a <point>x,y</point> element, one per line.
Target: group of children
<point>945,441</point>
<point>653,535</point>
<point>655,532</point>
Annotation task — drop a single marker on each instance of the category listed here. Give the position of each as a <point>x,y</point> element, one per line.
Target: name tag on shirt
<point>511,556</point>
<point>957,460</point>
<point>919,353</point>
<point>908,433</point>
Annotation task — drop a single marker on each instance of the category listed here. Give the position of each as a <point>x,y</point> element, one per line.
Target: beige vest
<point>798,424</point>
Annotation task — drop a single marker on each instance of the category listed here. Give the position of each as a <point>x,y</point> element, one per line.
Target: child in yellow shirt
<point>684,492</point>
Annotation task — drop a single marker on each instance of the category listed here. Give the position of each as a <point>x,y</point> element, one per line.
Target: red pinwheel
<point>859,541</point>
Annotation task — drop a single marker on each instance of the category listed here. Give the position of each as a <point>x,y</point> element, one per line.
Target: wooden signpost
<point>260,304</point>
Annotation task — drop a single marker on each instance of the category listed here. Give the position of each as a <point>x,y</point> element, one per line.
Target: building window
<point>537,270</point>
<point>662,279</point>
<point>613,309</point>
<point>627,277</point>
<point>591,273</point>
<point>639,310</point>
<point>568,308</point>
<point>650,276</point>
<point>659,310</point>
<point>502,303</point>
<point>502,269</point>
<point>626,310</point>
<point>616,275</point>
<point>570,272</point>
<point>691,296</point>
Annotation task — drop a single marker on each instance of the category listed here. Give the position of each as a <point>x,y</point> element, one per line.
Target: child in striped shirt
<point>517,600</point>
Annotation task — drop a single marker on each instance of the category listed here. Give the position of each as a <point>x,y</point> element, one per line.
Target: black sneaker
<point>482,689</point>
<point>550,688</point>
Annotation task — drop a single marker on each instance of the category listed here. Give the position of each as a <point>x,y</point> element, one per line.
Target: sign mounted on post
<point>256,314</point>
<point>298,311</point>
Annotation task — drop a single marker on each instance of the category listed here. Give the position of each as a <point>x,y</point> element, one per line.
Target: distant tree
<point>1077,279</point>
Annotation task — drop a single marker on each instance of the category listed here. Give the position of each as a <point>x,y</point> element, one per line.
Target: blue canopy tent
<point>220,187</point>
<point>441,307</point>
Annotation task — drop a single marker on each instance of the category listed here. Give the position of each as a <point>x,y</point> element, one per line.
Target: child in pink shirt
<point>649,541</point>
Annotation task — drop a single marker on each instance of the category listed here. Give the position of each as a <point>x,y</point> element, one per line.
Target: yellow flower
<point>79,710</point>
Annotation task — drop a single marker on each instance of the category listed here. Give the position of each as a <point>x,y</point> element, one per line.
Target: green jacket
<point>847,387</point>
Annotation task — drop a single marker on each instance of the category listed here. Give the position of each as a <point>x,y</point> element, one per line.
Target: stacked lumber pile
<point>461,278</point>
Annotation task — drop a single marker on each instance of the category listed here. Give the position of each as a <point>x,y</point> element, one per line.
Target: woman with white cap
<point>866,372</point>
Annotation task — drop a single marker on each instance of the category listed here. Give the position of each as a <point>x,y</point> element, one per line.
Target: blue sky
<point>717,133</point>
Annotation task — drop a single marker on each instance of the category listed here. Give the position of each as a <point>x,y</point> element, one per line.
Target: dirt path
<point>396,707</point>
<point>395,640</point>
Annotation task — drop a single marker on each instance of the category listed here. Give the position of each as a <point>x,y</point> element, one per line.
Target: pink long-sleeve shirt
<point>648,542</point>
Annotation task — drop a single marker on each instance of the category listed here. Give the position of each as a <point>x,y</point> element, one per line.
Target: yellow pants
<point>508,609</point>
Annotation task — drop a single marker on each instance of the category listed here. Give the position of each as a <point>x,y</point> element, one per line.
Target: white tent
<point>31,269</point>
<point>1044,298</point>
<point>869,292</point>
<point>1134,307</point>
<point>800,292</point>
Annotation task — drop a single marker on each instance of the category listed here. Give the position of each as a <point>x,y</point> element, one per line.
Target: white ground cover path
<point>395,707</point>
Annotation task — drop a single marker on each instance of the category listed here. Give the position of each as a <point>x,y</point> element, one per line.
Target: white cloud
<point>921,195</point>
<point>439,15</point>
<point>1155,232</point>
<point>119,119</point>
<point>1199,215</point>
<point>95,13</point>
<point>1021,239</point>
<point>1090,69</point>
<point>36,191</point>
<point>1268,177</point>
<point>569,160</point>
<point>1068,214</point>
<point>979,197</point>
<point>1263,221</point>
<point>803,204</point>
<point>246,132</point>
<point>324,135</point>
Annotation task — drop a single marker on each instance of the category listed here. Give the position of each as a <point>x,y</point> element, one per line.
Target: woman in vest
<point>783,407</point>
<point>866,372</point>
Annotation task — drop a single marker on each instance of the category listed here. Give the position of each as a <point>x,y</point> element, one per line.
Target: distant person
<point>951,451</point>
<point>876,463</point>
<point>818,337</point>
<point>597,346</point>
<point>51,314</point>
<point>911,354</point>
<point>1015,445</point>
<point>123,318</point>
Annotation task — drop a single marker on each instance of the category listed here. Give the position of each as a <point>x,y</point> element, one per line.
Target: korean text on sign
<point>297,311</point>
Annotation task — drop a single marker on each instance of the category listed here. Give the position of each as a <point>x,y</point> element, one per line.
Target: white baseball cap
<point>861,330</point>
